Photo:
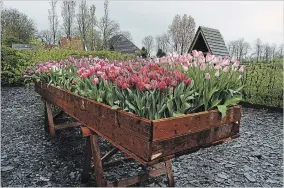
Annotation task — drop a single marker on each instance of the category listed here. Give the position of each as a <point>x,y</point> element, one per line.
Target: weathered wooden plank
<point>169,172</point>
<point>50,119</point>
<point>195,140</point>
<point>87,162</point>
<point>67,125</point>
<point>109,154</point>
<point>97,160</point>
<point>191,123</point>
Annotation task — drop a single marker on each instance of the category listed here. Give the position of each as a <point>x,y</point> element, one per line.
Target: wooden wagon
<point>149,142</point>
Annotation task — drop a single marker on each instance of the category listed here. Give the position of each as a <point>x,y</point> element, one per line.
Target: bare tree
<point>258,49</point>
<point>148,42</point>
<point>281,51</point>
<point>174,29</point>
<point>108,27</point>
<point>84,22</point>
<point>162,42</point>
<point>126,34</point>
<point>68,13</point>
<point>182,32</point>
<point>53,20</point>
<point>46,36</point>
<point>266,52</point>
<point>273,51</point>
<point>93,36</point>
<point>246,49</point>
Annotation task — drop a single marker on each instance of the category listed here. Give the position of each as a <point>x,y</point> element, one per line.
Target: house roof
<point>122,44</point>
<point>209,40</point>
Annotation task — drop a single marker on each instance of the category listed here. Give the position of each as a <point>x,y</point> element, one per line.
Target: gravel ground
<point>30,157</point>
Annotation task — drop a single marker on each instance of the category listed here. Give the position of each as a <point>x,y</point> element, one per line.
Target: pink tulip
<point>162,85</point>
<point>236,63</point>
<point>140,86</point>
<point>154,84</point>
<point>217,67</point>
<point>185,68</point>
<point>234,59</point>
<point>200,54</point>
<point>174,83</point>
<point>226,69</point>
<point>203,66</point>
<point>195,53</point>
<point>187,81</point>
<point>99,73</point>
<point>242,68</point>
<point>208,58</point>
<point>147,86</point>
<point>226,62</point>
<point>207,76</point>
<point>95,81</point>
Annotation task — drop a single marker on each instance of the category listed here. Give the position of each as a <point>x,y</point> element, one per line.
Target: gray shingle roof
<point>122,44</point>
<point>213,40</point>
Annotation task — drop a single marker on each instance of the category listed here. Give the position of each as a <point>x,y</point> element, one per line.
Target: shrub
<point>14,62</point>
<point>264,84</point>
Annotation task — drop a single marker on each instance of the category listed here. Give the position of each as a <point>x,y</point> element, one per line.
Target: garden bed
<point>146,141</point>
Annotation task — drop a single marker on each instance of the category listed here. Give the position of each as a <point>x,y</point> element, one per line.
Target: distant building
<point>121,44</point>
<point>71,43</point>
<point>22,46</point>
<point>209,40</point>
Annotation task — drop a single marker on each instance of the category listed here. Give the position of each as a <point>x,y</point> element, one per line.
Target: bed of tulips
<point>158,88</point>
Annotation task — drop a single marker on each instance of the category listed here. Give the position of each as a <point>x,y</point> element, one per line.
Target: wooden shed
<point>209,40</point>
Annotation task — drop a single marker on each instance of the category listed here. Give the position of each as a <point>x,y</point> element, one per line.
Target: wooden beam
<point>67,125</point>
<point>50,118</point>
<point>169,173</point>
<point>117,162</point>
<point>109,154</point>
<point>58,114</point>
<point>87,162</point>
<point>97,160</point>
<point>137,179</point>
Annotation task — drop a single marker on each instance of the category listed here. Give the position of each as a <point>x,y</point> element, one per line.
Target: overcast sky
<point>234,19</point>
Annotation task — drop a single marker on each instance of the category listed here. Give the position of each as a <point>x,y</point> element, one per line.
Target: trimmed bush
<point>264,84</point>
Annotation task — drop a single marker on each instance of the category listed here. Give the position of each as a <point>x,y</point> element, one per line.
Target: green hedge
<point>264,84</point>
<point>14,62</point>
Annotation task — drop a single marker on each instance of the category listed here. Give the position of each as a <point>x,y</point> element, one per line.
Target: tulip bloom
<point>207,76</point>
<point>95,81</point>
<point>242,68</point>
<point>226,69</point>
<point>195,53</point>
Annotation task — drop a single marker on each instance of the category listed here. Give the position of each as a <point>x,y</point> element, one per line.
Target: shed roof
<point>209,40</point>
<point>122,44</point>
